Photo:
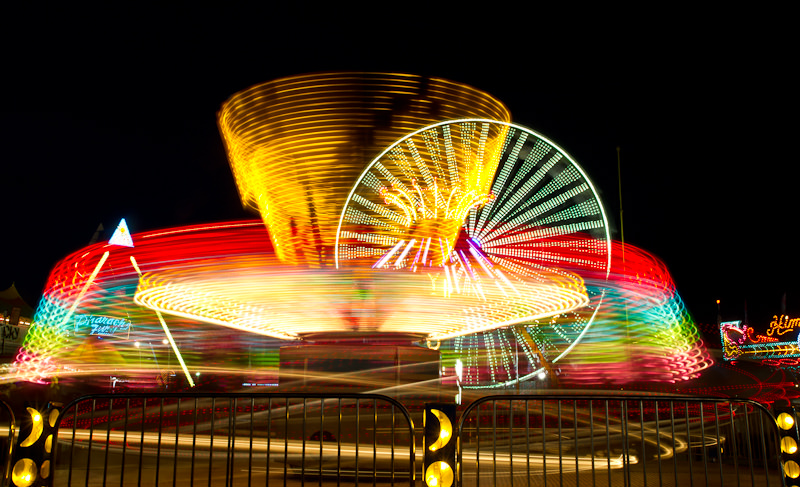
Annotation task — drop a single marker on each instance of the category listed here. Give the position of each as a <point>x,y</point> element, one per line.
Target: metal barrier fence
<point>233,439</point>
<point>351,439</point>
<point>620,441</point>
<point>6,440</point>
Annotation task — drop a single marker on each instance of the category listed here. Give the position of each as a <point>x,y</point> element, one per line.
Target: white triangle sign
<point>121,235</point>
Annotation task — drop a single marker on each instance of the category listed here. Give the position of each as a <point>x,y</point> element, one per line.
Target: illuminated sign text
<point>101,325</point>
<point>783,325</point>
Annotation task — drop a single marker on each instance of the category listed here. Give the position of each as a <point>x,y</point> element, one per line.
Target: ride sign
<point>102,326</point>
<point>780,340</point>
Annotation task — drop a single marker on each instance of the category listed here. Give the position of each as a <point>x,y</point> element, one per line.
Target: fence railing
<point>233,439</point>
<point>218,439</point>
<point>620,441</point>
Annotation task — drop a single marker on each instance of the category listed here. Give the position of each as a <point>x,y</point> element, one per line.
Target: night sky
<point>112,114</point>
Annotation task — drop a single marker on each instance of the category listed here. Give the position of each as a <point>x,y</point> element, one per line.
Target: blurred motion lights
<point>396,207</point>
<point>296,145</point>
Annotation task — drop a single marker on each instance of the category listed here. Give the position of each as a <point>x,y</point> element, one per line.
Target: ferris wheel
<point>490,205</point>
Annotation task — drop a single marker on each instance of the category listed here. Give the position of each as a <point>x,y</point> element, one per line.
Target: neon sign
<point>783,325</point>
<point>101,326</point>
<point>743,342</point>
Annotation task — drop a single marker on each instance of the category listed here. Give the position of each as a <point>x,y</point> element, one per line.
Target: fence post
<point>789,437</point>
<point>439,445</point>
<point>8,448</point>
<point>34,449</point>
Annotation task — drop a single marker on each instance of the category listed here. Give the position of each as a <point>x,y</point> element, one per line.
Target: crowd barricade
<point>233,439</point>
<point>598,440</point>
<point>218,439</point>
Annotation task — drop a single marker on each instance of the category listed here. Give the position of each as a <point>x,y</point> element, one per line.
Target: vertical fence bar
<point>108,441</point>
<point>459,476</point>
<point>477,447</point>
<point>658,446</point>
<point>734,444</point>
<point>211,439</point>
<point>252,432</point>
<point>560,447</point>
<point>194,444</point>
<point>231,440</point>
<point>8,444</point>
<point>411,449</point>
<point>591,438</point>
<point>392,450</point>
<point>358,434</point>
<point>124,441</point>
<point>158,447</point>
<point>528,441</point>
<point>719,443</point>
<point>628,441</point>
<point>269,437</point>
<point>608,445</point>
<point>177,442</point>
<point>626,460</point>
<point>374,441</point>
<point>91,437</point>
<point>303,451</point>
<point>644,443</point>
<point>321,435</point>
<point>285,440</point>
<point>762,434</point>
<point>703,439</point>
<point>575,439</point>
<point>339,446</point>
<point>72,444</point>
<point>544,442</point>
<point>674,447</point>
<point>749,446</point>
<point>494,441</point>
<point>141,441</point>
<point>689,443</point>
<point>511,439</point>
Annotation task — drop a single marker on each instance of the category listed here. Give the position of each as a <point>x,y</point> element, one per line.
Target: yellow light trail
<point>297,145</point>
<point>167,332</point>
<point>84,289</point>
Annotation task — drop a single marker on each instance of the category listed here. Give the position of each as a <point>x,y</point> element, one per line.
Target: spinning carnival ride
<point>398,209</point>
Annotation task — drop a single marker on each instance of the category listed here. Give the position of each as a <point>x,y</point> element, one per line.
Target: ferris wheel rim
<point>503,134</point>
<point>561,355</point>
<point>513,125</point>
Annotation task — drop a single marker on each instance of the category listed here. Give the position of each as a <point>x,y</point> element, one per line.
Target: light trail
<point>150,444</point>
<point>168,333</point>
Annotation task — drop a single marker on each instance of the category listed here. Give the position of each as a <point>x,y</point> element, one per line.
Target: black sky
<point>111,114</point>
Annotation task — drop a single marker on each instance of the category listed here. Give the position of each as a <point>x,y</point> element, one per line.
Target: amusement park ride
<point>408,228</point>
